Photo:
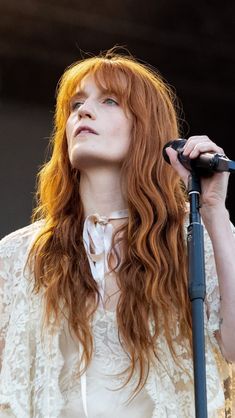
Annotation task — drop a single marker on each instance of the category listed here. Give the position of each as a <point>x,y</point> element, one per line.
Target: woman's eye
<point>75,105</point>
<point>111,101</point>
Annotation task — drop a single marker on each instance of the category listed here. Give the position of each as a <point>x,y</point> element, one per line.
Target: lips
<point>85,129</point>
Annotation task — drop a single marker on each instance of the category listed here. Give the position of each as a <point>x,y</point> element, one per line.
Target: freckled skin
<point>102,113</point>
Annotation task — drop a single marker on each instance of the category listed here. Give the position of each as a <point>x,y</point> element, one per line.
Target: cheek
<point>123,127</point>
<point>123,137</point>
<point>127,130</point>
<point>68,131</point>
<point>69,136</point>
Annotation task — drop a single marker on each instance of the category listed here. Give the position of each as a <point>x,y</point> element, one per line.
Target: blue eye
<point>75,105</point>
<point>110,101</point>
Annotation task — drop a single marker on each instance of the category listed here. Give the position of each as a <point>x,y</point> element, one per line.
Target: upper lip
<point>85,128</point>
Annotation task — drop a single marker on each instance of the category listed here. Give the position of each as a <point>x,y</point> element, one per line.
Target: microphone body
<point>204,165</point>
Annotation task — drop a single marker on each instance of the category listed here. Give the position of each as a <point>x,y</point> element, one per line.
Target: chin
<point>86,160</point>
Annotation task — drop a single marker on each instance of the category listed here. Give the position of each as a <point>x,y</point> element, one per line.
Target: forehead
<point>106,78</point>
<point>87,85</point>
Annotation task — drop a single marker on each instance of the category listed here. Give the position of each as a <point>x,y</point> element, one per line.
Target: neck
<point>100,191</point>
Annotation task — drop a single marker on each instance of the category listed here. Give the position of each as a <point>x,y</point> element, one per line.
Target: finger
<point>201,148</point>
<point>175,163</point>
<point>197,147</point>
<point>192,140</point>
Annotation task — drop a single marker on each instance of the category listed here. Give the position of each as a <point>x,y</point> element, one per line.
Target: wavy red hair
<point>152,276</point>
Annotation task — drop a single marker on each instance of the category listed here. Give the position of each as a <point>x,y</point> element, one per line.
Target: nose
<point>86,110</point>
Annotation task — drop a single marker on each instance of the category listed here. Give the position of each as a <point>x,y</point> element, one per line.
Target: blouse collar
<point>97,238</point>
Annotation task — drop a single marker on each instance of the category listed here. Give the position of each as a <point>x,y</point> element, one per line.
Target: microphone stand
<point>197,291</point>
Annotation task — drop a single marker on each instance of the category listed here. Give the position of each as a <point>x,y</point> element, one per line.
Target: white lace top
<point>103,385</point>
<point>38,372</point>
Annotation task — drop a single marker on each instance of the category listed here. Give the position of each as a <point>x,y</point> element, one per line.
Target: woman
<point>95,313</point>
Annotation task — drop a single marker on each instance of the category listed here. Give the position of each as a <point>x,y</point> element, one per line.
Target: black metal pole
<point>197,291</point>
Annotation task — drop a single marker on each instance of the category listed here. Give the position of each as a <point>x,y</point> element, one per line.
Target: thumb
<point>177,166</point>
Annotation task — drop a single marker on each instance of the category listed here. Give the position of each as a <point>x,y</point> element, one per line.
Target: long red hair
<point>152,276</point>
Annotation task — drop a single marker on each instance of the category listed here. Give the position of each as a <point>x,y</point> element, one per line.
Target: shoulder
<point>19,240</point>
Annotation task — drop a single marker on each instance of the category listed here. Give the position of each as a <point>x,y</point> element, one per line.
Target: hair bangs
<point>110,77</point>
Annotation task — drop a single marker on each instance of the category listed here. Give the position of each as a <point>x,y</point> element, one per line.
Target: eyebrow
<point>83,92</point>
<point>80,93</point>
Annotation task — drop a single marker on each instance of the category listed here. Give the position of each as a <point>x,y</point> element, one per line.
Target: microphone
<point>204,165</point>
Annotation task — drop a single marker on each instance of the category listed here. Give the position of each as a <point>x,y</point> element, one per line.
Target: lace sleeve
<point>14,249</point>
<point>5,309</point>
<point>212,287</point>
<point>5,296</point>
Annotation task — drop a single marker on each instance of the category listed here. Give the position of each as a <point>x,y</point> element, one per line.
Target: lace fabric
<point>104,376</point>
<point>35,378</point>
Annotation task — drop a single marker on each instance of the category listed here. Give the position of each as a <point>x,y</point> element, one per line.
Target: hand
<point>214,188</point>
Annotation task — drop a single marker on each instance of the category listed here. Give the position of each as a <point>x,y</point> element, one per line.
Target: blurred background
<point>190,43</point>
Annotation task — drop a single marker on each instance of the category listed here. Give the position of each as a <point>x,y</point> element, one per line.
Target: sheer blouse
<point>38,377</point>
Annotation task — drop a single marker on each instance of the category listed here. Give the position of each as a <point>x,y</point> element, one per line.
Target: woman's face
<point>98,130</point>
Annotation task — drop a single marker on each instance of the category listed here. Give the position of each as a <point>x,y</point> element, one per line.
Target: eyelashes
<point>76,104</point>
<point>111,101</point>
